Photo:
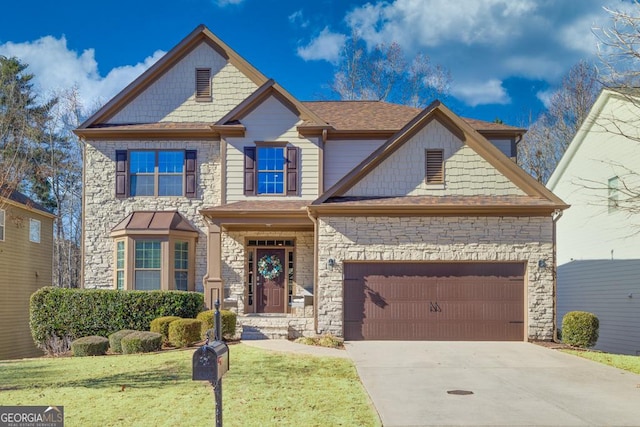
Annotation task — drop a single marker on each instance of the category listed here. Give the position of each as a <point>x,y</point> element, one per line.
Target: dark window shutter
<point>190,167</point>
<point>121,174</point>
<point>293,167</point>
<point>249,171</point>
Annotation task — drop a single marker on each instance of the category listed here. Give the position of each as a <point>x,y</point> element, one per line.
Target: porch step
<point>278,327</point>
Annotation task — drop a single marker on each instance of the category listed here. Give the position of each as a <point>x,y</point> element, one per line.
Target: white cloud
<point>492,40</point>
<point>326,46</point>
<point>477,93</point>
<point>223,3</point>
<point>545,96</point>
<point>55,67</point>
<point>297,18</point>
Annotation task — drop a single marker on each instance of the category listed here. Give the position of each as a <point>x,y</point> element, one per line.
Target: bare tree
<point>549,136</point>
<point>383,73</point>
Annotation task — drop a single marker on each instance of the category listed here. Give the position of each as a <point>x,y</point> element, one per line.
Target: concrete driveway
<point>512,384</point>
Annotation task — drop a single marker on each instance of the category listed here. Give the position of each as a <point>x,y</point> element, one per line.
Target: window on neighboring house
<point>613,194</point>
<point>34,230</point>
<point>434,167</point>
<point>271,170</point>
<point>120,265</point>
<point>2,215</point>
<point>181,266</point>
<point>203,84</point>
<point>147,265</point>
<point>156,173</point>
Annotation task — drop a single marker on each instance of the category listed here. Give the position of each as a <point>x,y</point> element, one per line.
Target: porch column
<point>212,281</point>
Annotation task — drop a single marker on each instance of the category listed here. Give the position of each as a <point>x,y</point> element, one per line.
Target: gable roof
<point>197,36</point>
<point>575,144</point>
<point>17,198</point>
<point>464,131</point>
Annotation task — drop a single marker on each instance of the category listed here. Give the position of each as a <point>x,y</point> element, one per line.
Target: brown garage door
<point>434,301</point>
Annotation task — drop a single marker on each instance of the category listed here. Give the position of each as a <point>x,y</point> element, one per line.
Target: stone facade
<point>102,210</point>
<point>234,250</point>
<point>526,239</point>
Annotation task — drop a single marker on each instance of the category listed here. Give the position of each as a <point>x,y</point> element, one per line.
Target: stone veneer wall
<point>526,239</point>
<point>234,261</point>
<point>102,211</point>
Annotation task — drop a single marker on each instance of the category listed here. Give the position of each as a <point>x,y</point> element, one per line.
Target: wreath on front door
<point>269,267</point>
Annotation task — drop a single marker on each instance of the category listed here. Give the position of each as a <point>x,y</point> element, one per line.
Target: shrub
<point>229,319</point>
<point>326,340</point>
<point>141,342</point>
<point>116,338</point>
<point>75,313</point>
<point>580,329</point>
<point>184,332</point>
<point>90,346</point>
<point>161,325</point>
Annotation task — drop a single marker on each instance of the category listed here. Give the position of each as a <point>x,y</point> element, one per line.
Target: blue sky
<point>505,56</point>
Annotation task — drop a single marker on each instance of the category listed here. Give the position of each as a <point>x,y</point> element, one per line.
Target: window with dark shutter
<point>190,173</point>
<point>121,174</point>
<point>292,171</point>
<point>203,84</point>
<point>249,171</point>
<point>435,167</point>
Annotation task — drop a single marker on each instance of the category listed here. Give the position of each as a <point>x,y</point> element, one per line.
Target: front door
<point>271,278</point>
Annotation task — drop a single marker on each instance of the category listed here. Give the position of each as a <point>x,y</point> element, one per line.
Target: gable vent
<point>435,167</point>
<point>203,84</point>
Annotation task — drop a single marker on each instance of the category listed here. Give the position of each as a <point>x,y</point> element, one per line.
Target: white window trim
<point>32,224</point>
<point>2,224</point>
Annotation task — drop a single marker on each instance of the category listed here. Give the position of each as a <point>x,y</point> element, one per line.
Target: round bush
<point>580,329</point>
<point>228,318</point>
<point>184,332</point>
<point>161,326</point>
<point>141,342</point>
<point>90,346</point>
<point>116,338</point>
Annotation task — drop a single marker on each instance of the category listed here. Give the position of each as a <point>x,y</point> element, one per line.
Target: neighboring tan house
<point>26,264</point>
<point>367,220</point>
<point>599,237</point>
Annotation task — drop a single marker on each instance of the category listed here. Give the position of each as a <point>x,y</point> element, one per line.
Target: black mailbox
<point>210,362</point>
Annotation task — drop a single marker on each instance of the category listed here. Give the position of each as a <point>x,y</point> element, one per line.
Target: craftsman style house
<point>367,220</point>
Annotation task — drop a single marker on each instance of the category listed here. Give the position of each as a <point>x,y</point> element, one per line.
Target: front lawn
<point>261,388</point>
<point>621,361</point>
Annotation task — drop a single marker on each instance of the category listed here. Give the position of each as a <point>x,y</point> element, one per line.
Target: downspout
<point>83,213</point>
<point>555,216</point>
<point>314,219</point>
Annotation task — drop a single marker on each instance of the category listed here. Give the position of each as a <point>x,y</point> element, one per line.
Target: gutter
<point>314,219</point>
<point>555,216</point>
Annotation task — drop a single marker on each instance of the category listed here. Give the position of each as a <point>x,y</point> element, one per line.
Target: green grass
<point>261,389</point>
<point>621,361</point>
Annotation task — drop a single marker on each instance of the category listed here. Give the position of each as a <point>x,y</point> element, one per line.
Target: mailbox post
<point>211,361</point>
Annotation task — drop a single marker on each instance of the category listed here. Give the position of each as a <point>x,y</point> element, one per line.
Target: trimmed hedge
<point>115,339</point>
<point>184,332</point>
<point>229,319</point>
<point>580,329</point>
<point>90,346</point>
<point>56,313</point>
<point>141,342</point>
<point>161,326</point>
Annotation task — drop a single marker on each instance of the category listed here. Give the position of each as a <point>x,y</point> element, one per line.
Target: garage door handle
<point>516,321</point>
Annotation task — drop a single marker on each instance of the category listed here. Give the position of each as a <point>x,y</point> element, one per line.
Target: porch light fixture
<point>542,263</point>
<point>331,263</point>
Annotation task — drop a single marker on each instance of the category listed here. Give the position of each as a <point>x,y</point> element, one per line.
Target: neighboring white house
<point>598,237</point>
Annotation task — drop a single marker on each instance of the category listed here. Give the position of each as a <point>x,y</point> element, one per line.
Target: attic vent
<point>203,84</point>
<point>435,167</point>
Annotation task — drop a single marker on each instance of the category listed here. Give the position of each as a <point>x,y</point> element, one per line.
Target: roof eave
<point>434,210</point>
<point>118,134</point>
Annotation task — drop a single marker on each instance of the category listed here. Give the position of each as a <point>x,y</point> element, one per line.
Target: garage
<point>434,301</point>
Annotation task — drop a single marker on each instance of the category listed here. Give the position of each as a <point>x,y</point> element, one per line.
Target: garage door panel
<point>429,301</point>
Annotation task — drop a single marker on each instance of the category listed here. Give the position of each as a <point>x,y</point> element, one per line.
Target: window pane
<point>147,254</point>
<point>34,230</point>
<point>181,280</point>
<point>1,224</point>
<point>271,158</point>
<point>141,185</point>
<point>142,161</point>
<point>181,256</point>
<point>170,185</point>
<point>147,280</point>
<point>120,256</point>
<point>170,161</point>
<point>270,183</point>
<point>120,280</point>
